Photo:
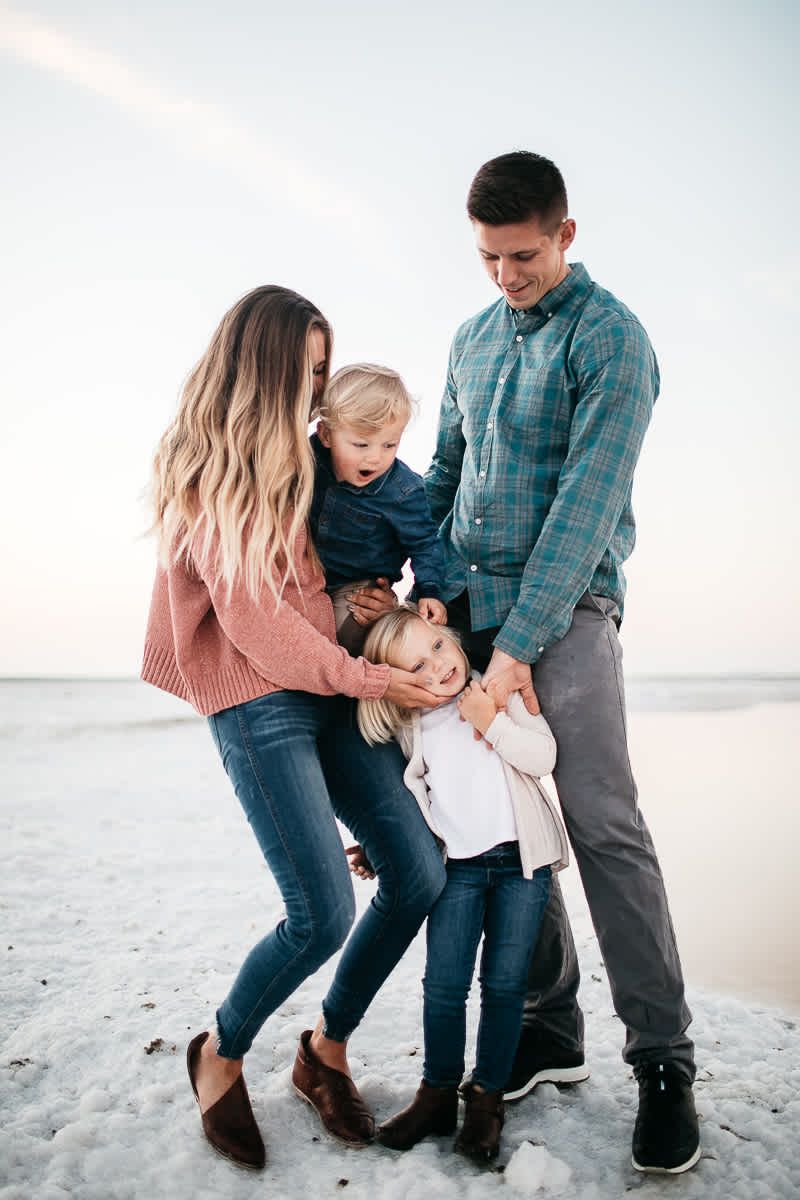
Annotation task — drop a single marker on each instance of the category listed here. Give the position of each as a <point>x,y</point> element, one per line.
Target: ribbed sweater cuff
<point>160,669</point>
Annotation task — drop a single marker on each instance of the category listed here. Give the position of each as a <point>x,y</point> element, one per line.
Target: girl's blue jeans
<point>485,895</point>
<point>297,761</point>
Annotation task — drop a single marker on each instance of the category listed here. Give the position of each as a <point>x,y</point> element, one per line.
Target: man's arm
<point>617,382</point>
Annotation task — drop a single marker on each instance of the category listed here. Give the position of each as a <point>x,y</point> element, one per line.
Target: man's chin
<point>519,300</point>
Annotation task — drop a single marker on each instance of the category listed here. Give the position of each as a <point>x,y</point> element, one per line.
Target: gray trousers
<point>579,683</point>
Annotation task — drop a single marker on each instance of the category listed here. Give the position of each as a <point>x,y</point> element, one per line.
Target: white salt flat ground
<point>132,887</point>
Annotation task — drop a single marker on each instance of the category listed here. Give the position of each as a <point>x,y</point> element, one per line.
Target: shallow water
<point>719,792</point>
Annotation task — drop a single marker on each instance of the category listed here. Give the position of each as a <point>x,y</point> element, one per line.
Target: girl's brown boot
<point>433,1110</point>
<point>480,1134</point>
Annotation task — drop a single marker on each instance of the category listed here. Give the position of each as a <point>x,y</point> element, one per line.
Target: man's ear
<point>566,234</point>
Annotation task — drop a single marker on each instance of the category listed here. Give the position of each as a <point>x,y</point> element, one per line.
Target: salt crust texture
<point>132,889</point>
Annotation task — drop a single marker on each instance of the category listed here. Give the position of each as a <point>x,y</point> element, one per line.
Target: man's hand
<point>405,689</point>
<point>367,604</point>
<point>505,675</point>
<point>433,611</point>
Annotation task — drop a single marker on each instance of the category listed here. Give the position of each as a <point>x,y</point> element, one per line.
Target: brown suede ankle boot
<point>433,1110</point>
<point>480,1134</point>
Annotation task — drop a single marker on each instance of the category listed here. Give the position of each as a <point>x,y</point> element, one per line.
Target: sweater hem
<point>229,687</point>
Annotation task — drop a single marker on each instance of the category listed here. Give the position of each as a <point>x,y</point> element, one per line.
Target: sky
<point>162,160</point>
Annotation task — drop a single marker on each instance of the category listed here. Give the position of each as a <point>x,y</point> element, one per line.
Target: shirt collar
<point>575,283</point>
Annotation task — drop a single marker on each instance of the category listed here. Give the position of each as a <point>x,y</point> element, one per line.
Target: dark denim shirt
<point>364,532</point>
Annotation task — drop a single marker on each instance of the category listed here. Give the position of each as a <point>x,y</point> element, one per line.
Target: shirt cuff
<point>517,639</point>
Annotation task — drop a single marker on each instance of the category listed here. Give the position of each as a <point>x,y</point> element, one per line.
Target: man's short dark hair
<point>518,187</point>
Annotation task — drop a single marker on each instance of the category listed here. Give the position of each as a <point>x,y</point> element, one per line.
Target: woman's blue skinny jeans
<point>297,761</point>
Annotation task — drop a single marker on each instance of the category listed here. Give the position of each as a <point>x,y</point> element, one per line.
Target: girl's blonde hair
<point>379,720</point>
<point>236,461</point>
<point>365,396</point>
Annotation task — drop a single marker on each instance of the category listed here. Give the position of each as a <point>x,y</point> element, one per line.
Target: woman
<point>241,627</point>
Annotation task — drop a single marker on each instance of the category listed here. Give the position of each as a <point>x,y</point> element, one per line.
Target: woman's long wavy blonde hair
<point>380,720</point>
<point>236,461</point>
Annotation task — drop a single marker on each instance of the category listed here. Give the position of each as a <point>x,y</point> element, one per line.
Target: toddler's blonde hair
<point>365,396</point>
<point>380,720</point>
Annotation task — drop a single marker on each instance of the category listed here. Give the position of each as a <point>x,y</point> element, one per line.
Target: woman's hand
<point>367,604</point>
<point>477,706</point>
<point>405,689</point>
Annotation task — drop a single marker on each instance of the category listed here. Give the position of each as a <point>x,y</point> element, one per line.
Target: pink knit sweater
<point>216,650</point>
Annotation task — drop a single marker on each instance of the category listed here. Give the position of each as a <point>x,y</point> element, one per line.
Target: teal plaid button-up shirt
<point>540,429</point>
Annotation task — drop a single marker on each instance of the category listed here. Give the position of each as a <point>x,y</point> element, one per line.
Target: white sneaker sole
<point>687,1166</point>
<point>549,1075</point>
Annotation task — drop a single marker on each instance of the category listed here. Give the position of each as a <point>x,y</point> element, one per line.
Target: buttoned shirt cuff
<point>517,638</point>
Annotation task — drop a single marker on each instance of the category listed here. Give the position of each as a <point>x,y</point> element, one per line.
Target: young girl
<point>369,513</point>
<point>501,836</point>
<point>241,627</point>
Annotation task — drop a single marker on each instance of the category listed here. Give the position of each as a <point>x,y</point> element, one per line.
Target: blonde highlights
<point>236,462</point>
<point>365,396</point>
<point>380,720</point>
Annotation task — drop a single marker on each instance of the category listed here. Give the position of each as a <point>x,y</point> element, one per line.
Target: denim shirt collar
<point>574,284</point>
<point>323,457</point>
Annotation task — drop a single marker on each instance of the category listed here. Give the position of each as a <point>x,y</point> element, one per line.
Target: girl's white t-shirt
<point>469,796</point>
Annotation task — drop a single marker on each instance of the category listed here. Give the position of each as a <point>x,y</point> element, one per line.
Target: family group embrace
<point>425,727</point>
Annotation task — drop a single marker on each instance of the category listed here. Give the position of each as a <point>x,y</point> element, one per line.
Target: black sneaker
<point>541,1059</point>
<point>666,1139</point>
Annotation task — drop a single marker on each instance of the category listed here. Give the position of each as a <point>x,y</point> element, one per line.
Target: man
<point>549,393</point>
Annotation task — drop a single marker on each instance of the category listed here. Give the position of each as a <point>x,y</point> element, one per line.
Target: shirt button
<point>478,521</point>
<point>488,424</point>
<point>549,315</point>
<point>473,567</point>
<point>481,474</point>
<point>502,379</point>
<point>541,649</point>
<point>518,337</point>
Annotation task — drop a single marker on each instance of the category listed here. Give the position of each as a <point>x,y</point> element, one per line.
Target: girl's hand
<point>433,611</point>
<point>358,862</point>
<point>367,604</point>
<point>405,689</point>
<point>477,706</point>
